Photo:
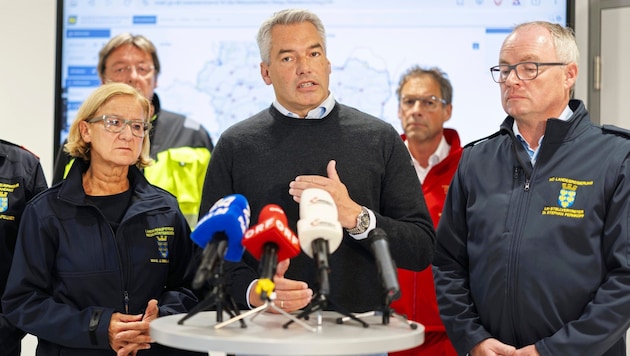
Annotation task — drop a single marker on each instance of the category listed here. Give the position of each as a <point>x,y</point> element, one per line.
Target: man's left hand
<point>347,209</point>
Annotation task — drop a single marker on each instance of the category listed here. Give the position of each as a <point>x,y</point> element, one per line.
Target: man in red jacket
<point>424,97</point>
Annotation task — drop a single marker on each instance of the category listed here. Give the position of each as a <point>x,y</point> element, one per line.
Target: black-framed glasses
<point>428,103</point>
<point>118,72</point>
<point>116,124</point>
<point>523,70</point>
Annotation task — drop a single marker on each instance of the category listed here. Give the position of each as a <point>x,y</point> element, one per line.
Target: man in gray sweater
<point>306,139</point>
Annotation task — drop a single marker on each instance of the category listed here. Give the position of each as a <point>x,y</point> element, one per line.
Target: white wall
<point>27,64</point>
<point>27,82</point>
<point>27,76</point>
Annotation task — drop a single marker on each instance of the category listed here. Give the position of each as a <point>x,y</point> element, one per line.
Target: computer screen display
<point>210,61</point>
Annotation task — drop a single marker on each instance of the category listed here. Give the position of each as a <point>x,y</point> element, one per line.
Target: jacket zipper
<point>122,270</point>
<point>126,298</point>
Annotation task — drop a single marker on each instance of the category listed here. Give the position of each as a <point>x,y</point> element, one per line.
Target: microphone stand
<point>218,296</point>
<point>269,304</point>
<point>321,299</point>
<point>320,302</point>
<point>385,310</point>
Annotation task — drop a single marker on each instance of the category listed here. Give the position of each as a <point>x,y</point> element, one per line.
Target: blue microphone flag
<point>229,217</point>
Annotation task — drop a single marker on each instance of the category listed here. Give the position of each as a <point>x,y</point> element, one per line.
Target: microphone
<point>385,263</point>
<point>270,241</point>
<point>319,230</point>
<point>220,233</point>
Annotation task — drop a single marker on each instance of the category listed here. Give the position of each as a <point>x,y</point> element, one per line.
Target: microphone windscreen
<point>273,229</point>
<point>316,202</point>
<point>314,228</point>
<point>272,211</point>
<point>318,219</point>
<point>230,216</point>
<point>386,265</point>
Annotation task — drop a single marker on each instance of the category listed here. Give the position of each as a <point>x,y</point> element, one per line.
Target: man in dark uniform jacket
<point>21,178</point>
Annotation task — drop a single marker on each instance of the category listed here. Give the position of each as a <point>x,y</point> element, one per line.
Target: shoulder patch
<point>616,130</point>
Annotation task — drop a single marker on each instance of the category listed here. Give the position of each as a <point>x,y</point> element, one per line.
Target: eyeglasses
<point>523,70</point>
<point>116,124</point>
<point>123,71</point>
<point>427,103</point>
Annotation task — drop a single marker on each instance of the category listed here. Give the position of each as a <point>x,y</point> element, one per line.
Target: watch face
<point>363,222</point>
<point>364,219</point>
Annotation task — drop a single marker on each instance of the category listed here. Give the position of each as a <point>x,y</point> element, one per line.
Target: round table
<point>265,335</point>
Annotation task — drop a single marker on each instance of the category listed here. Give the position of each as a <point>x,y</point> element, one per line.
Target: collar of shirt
<point>319,112</point>
<point>533,154</point>
<point>438,156</point>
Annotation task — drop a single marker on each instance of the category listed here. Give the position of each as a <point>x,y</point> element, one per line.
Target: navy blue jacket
<point>539,255</point>
<point>21,178</point>
<point>71,271</point>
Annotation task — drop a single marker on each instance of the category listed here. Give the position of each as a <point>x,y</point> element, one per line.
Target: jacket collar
<point>558,131</point>
<point>155,101</point>
<point>72,188</point>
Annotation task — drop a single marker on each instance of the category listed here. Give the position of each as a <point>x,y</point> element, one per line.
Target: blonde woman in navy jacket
<point>104,252</point>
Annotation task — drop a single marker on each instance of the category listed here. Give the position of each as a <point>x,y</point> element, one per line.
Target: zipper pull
<point>526,185</point>
<point>126,302</point>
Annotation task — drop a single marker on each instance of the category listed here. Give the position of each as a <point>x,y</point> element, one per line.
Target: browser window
<point>210,61</point>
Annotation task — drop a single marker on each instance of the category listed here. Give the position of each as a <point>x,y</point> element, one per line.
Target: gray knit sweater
<point>258,157</point>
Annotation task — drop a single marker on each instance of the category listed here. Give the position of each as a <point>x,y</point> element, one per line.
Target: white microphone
<point>319,231</point>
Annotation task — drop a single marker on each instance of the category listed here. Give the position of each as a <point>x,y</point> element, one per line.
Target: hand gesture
<point>291,295</point>
<point>492,347</point>
<point>130,333</point>
<point>347,209</point>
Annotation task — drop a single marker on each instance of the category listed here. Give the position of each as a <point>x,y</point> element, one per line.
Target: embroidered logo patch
<point>5,189</point>
<point>4,202</point>
<point>567,195</point>
<point>162,242</point>
<point>161,235</point>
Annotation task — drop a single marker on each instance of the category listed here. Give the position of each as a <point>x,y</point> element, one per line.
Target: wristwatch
<point>363,222</point>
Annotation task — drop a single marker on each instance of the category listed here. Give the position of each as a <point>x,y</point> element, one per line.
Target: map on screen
<point>210,61</point>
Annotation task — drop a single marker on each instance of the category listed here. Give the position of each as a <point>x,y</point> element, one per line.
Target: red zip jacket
<point>418,301</point>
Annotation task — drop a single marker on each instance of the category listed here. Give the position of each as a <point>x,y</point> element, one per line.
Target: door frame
<point>594,52</point>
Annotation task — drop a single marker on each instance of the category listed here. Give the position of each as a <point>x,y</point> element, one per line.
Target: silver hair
<point>563,39</point>
<point>286,17</point>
